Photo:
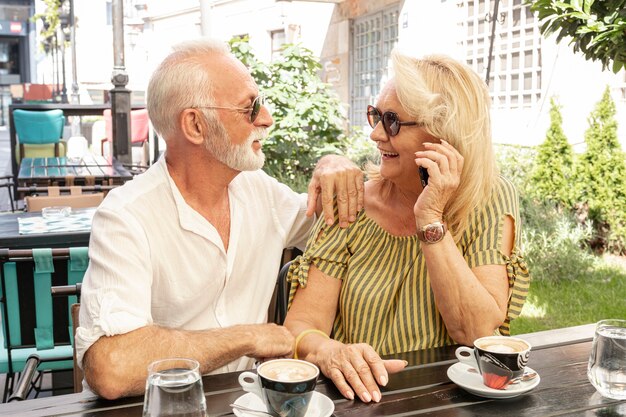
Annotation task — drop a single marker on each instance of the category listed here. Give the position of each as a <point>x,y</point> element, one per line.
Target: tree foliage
<point>51,21</point>
<point>601,178</point>
<point>308,121</point>
<point>597,27</point>
<point>551,177</point>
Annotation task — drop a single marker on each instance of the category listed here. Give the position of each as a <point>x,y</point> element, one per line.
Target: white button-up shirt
<point>155,260</point>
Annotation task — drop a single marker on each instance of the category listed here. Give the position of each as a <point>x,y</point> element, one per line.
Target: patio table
<point>91,172</point>
<point>423,388</point>
<point>10,237</point>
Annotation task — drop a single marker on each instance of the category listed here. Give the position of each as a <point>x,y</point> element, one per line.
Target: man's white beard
<point>238,157</point>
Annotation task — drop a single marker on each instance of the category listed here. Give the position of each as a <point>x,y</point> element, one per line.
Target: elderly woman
<point>429,261</point>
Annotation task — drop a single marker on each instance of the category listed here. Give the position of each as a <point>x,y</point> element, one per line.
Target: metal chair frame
<point>7,182</point>
<point>31,373</point>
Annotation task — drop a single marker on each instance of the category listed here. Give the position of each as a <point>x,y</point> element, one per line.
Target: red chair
<point>139,123</point>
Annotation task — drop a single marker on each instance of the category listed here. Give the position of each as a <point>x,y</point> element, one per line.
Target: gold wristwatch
<point>433,232</point>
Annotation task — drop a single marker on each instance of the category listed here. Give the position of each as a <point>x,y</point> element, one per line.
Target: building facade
<point>16,48</point>
<point>354,38</point>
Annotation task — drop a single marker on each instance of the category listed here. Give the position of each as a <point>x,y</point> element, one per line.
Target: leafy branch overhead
<point>597,28</point>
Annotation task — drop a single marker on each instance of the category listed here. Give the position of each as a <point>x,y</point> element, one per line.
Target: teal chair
<point>34,325</point>
<point>39,133</point>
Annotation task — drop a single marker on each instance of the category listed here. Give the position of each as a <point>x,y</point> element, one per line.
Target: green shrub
<point>308,118</point>
<point>516,162</point>
<point>360,148</point>
<point>554,243</point>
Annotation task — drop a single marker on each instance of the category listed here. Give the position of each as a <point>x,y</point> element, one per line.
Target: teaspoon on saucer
<point>250,410</point>
<point>526,377</point>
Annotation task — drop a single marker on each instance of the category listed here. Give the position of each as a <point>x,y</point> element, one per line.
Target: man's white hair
<point>181,81</point>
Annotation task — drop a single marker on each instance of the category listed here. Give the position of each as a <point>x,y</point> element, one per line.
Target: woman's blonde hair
<point>452,103</point>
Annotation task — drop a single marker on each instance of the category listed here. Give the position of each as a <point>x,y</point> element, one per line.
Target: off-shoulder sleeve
<point>327,248</point>
<point>519,282</point>
<point>483,241</point>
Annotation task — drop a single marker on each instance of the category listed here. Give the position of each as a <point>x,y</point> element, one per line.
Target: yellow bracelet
<point>301,336</point>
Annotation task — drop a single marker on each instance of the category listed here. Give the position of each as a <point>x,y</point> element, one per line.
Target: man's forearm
<point>116,366</point>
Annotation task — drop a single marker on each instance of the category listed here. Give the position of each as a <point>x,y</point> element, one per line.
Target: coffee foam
<point>287,371</point>
<point>502,345</point>
<point>500,348</point>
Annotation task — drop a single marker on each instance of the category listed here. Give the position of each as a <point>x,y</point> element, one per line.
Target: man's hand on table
<point>270,341</point>
<point>336,175</point>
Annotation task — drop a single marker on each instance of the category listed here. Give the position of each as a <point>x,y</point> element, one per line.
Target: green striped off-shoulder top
<point>385,298</point>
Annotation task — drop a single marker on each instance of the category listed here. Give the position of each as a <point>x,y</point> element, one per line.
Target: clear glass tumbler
<point>607,362</point>
<point>174,389</point>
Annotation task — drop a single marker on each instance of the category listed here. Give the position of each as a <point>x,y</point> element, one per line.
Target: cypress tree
<point>551,177</point>
<point>601,176</point>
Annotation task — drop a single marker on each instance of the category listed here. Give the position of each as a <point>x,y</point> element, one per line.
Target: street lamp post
<point>120,95</point>
<point>64,32</point>
<point>75,95</point>
<point>63,84</point>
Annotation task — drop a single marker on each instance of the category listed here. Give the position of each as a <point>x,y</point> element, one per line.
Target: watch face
<point>433,232</point>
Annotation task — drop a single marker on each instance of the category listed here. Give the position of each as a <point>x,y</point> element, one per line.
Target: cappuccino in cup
<point>288,371</point>
<point>499,359</point>
<point>285,386</point>
<point>501,345</point>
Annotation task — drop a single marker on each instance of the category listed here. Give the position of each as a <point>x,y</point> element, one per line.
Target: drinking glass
<point>607,363</point>
<point>174,389</point>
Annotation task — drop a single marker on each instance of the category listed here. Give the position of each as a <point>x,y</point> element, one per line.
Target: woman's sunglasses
<point>391,121</point>
<point>254,109</point>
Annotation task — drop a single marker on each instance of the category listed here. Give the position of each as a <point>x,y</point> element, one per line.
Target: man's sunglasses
<point>391,121</point>
<point>254,109</point>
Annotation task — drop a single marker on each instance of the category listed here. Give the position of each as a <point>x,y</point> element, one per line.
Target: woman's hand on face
<point>444,164</point>
<point>356,368</point>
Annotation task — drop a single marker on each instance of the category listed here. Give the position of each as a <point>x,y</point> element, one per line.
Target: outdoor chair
<point>39,133</point>
<point>139,131</point>
<point>76,199</point>
<point>37,329</point>
<point>278,306</point>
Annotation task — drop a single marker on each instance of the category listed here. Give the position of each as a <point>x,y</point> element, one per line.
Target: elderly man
<point>184,258</point>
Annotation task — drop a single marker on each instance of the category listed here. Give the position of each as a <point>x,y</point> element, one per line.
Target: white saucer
<point>473,383</point>
<point>320,406</point>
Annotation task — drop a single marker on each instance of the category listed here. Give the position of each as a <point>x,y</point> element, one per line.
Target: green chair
<point>39,133</point>
<point>36,327</point>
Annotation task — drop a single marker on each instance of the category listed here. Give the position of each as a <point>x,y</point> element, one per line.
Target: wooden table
<point>10,237</point>
<point>91,172</point>
<point>560,357</point>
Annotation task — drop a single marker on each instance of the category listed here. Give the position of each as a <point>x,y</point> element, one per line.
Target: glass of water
<point>174,389</point>
<point>607,362</point>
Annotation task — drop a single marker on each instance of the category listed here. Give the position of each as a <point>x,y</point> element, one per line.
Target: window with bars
<point>373,38</point>
<point>278,40</point>
<point>515,73</point>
